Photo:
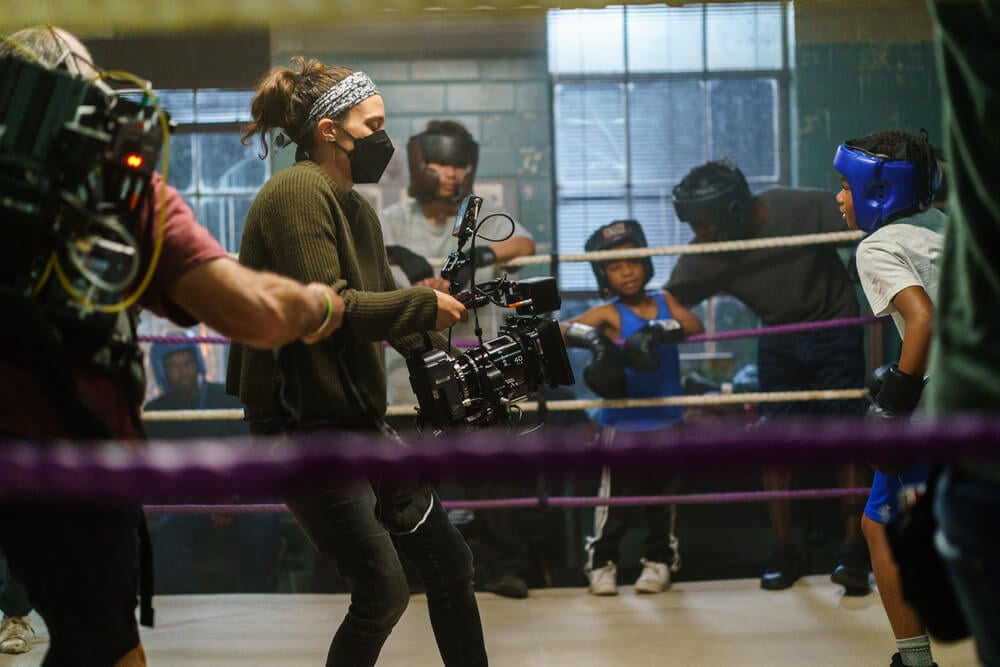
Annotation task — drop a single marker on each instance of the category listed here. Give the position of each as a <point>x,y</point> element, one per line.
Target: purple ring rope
<point>698,338</point>
<point>779,329</point>
<point>553,501</point>
<point>216,470</point>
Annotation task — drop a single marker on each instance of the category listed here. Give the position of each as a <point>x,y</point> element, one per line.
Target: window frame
<point>782,77</point>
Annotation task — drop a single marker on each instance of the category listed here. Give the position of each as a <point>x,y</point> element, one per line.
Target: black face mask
<point>370,156</point>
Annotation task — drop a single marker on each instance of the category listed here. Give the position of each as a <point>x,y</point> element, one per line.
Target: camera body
<point>478,387</point>
<point>481,386</point>
<point>76,161</point>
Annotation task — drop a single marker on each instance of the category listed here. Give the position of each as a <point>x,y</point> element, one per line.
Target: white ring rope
<point>688,248</point>
<point>569,404</point>
<point>846,236</point>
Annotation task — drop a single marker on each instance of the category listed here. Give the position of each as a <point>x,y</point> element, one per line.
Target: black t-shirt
<point>216,398</point>
<point>780,285</point>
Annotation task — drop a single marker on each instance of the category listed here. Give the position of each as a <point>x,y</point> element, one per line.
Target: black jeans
<point>966,509</point>
<point>340,522</point>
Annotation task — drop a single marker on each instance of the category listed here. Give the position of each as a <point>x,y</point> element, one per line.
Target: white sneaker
<point>603,580</point>
<point>655,577</point>
<point>14,634</point>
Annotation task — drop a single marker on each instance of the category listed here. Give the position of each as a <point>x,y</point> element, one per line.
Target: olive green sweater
<point>304,226</point>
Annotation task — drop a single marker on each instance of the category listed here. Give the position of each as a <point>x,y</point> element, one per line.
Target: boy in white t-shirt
<point>888,180</point>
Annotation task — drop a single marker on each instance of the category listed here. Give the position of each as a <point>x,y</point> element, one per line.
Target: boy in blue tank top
<point>646,366</point>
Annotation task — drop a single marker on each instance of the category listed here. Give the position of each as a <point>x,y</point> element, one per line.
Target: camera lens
<point>476,387</point>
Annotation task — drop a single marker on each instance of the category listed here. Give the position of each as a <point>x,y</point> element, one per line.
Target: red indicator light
<point>133,160</point>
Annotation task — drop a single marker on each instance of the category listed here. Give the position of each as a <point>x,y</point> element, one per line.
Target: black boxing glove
<point>605,374</point>
<point>413,265</point>
<point>640,347</point>
<point>893,392</point>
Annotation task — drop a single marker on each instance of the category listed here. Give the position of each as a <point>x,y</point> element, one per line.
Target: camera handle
<point>465,221</point>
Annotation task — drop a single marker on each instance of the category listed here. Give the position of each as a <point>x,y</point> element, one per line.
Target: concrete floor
<point>730,622</point>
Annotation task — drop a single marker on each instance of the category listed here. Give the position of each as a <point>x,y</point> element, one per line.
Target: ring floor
<point>695,624</point>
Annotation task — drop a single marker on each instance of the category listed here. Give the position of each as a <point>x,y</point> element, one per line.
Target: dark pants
<point>79,564</point>
<point>341,523</point>
<point>966,509</point>
<point>817,360</point>
<point>195,553</point>
<point>611,522</point>
<point>502,533</point>
<point>13,598</point>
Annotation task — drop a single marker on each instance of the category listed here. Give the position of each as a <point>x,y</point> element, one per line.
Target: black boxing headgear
<point>715,193</point>
<point>613,235</point>
<point>437,148</point>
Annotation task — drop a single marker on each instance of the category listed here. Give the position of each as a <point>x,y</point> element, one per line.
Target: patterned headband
<point>344,95</point>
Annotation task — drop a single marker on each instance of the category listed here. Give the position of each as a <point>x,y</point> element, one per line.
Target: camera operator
<point>442,163</point>
<point>78,560</point>
<point>309,223</point>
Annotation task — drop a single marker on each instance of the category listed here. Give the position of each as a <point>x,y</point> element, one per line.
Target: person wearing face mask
<point>308,221</point>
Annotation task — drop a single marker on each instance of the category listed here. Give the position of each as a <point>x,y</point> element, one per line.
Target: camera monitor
<point>465,221</point>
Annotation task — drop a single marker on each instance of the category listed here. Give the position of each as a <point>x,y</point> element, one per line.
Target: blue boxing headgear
<point>611,236</point>
<point>158,352</point>
<point>715,193</point>
<point>883,187</point>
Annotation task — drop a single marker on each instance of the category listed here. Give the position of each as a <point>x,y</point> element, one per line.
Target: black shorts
<point>814,360</point>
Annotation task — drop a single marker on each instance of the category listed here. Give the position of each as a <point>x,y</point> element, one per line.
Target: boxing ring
<point>160,472</point>
<point>165,476</point>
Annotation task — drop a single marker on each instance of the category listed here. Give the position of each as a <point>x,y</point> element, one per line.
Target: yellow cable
<point>160,234</point>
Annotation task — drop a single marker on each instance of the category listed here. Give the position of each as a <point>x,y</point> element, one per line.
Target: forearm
<point>689,321</point>
<point>917,311</point>
<point>259,309</point>
<point>916,346</point>
<point>374,316</point>
<point>517,246</point>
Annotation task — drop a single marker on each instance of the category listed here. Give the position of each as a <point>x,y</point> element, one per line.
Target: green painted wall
<point>849,90</point>
<point>857,71</point>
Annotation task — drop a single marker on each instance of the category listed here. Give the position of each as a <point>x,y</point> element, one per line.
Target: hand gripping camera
<point>482,386</point>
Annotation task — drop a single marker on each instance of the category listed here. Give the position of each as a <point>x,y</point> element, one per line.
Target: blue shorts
<point>883,501</point>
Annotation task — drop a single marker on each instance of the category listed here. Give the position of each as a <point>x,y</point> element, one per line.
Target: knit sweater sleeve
<point>308,237</point>
<point>407,345</point>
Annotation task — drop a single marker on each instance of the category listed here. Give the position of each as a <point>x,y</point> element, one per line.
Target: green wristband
<point>326,320</point>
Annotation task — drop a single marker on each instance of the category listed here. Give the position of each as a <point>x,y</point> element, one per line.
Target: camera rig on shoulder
<point>76,161</point>
<point>482,386</point>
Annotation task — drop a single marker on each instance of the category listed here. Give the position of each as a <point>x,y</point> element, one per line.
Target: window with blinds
<point>215,173</point>
<point>643,94</point>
